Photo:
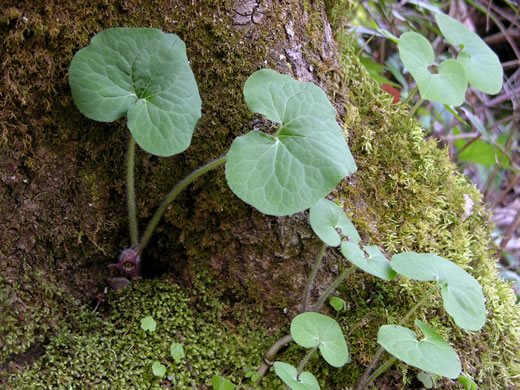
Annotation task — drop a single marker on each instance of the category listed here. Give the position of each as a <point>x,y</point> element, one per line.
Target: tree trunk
<point>62,204</point>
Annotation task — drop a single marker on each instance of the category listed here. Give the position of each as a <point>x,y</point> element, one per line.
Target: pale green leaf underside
<point>289,374</point>
<point>448,86</point>
<point>482,66</point>
<point>431,354</point>
<point>142,73</point>
<point>288,172</point>
<point>462,295</point>
<point>373,262</point>
<point>317,330</point>
<point>325,217</point>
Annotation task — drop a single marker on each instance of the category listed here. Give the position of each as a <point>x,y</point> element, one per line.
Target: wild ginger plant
<point>144,74</point>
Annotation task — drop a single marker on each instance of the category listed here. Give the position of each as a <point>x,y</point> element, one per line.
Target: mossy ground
<point>110,350</point>
<point>63,219</point>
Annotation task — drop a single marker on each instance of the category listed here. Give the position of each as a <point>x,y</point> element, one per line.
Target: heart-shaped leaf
<point>143,73</point>
<point>338,304</point>
<point>462,295</point>
<point>302,162</point>
<point>431,354</point>
<point>289,374</point>
<point>482,66</point>
<point>448,86</point>
<point>311,330</point>
<point>325,217</point>
<point>373,262</point>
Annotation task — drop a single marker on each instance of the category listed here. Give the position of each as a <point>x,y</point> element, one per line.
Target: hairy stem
<point>270,355</point>
<point>312,276</point>
<point>171,197</point>
<point>332,287</point>
<point>364,382</point>
<point>130,192</point>
<point>306,359</point>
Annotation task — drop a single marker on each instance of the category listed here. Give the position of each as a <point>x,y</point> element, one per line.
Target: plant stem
<point>415,107</point>
<point>378,372</point>
<point>332,287</point>
<point>130,192</point>
<point>270,355</point>
<point>410,95</point>
<point>171,197</point>
<point>312,276</point>
<point>364,382</point>
<point>306,359</point>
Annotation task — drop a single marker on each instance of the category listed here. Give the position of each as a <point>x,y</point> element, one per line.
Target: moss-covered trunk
<point>62,205</point>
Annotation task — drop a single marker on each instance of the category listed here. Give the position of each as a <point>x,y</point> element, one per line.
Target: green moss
<point>110,350</point>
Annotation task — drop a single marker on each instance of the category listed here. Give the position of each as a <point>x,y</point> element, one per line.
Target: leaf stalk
<point>130,192</point>
<point>176,190</point>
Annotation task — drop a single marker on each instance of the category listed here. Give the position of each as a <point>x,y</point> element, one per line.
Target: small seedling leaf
<point>468,383</point>
<point>311,330</point>
<point>338,304</point>
<point>148,323</point>
<point>373,262</point>
<point>448,86</point>
<point>325,217</point>
<point>431,354</point>
<point>462,295</point>
<point>482,66</point>
<point>426,379</point>
<point>158,369</point>
<point>289,375</point>
<point>303,161</point>
<point>177,351</point>
<point>142,73</point>
<point>220,383</point>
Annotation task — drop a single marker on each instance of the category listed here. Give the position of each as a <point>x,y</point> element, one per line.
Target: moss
<point>110,350</point>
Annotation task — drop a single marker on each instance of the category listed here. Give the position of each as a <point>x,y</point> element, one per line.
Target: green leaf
<point>311,330</point>
<point>148,323</point>
<point>482,66</point>
<point>302,162</point>
<point>482,152</point>
<point>426,379</point>
<point>431,354</point>
<point>468,383</point>
<point>142,73</point>
<point>338,304</point>
<point>177,351</point>
<point>325,217</point>
<point>448,86</point>
<point>373,262</point>
<point>462,295</point>
<point>289,374</point>
<point>158,369</point>
<point>220,383</point>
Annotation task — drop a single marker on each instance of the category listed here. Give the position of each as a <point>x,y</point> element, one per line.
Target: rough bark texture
<point>62,206</point>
